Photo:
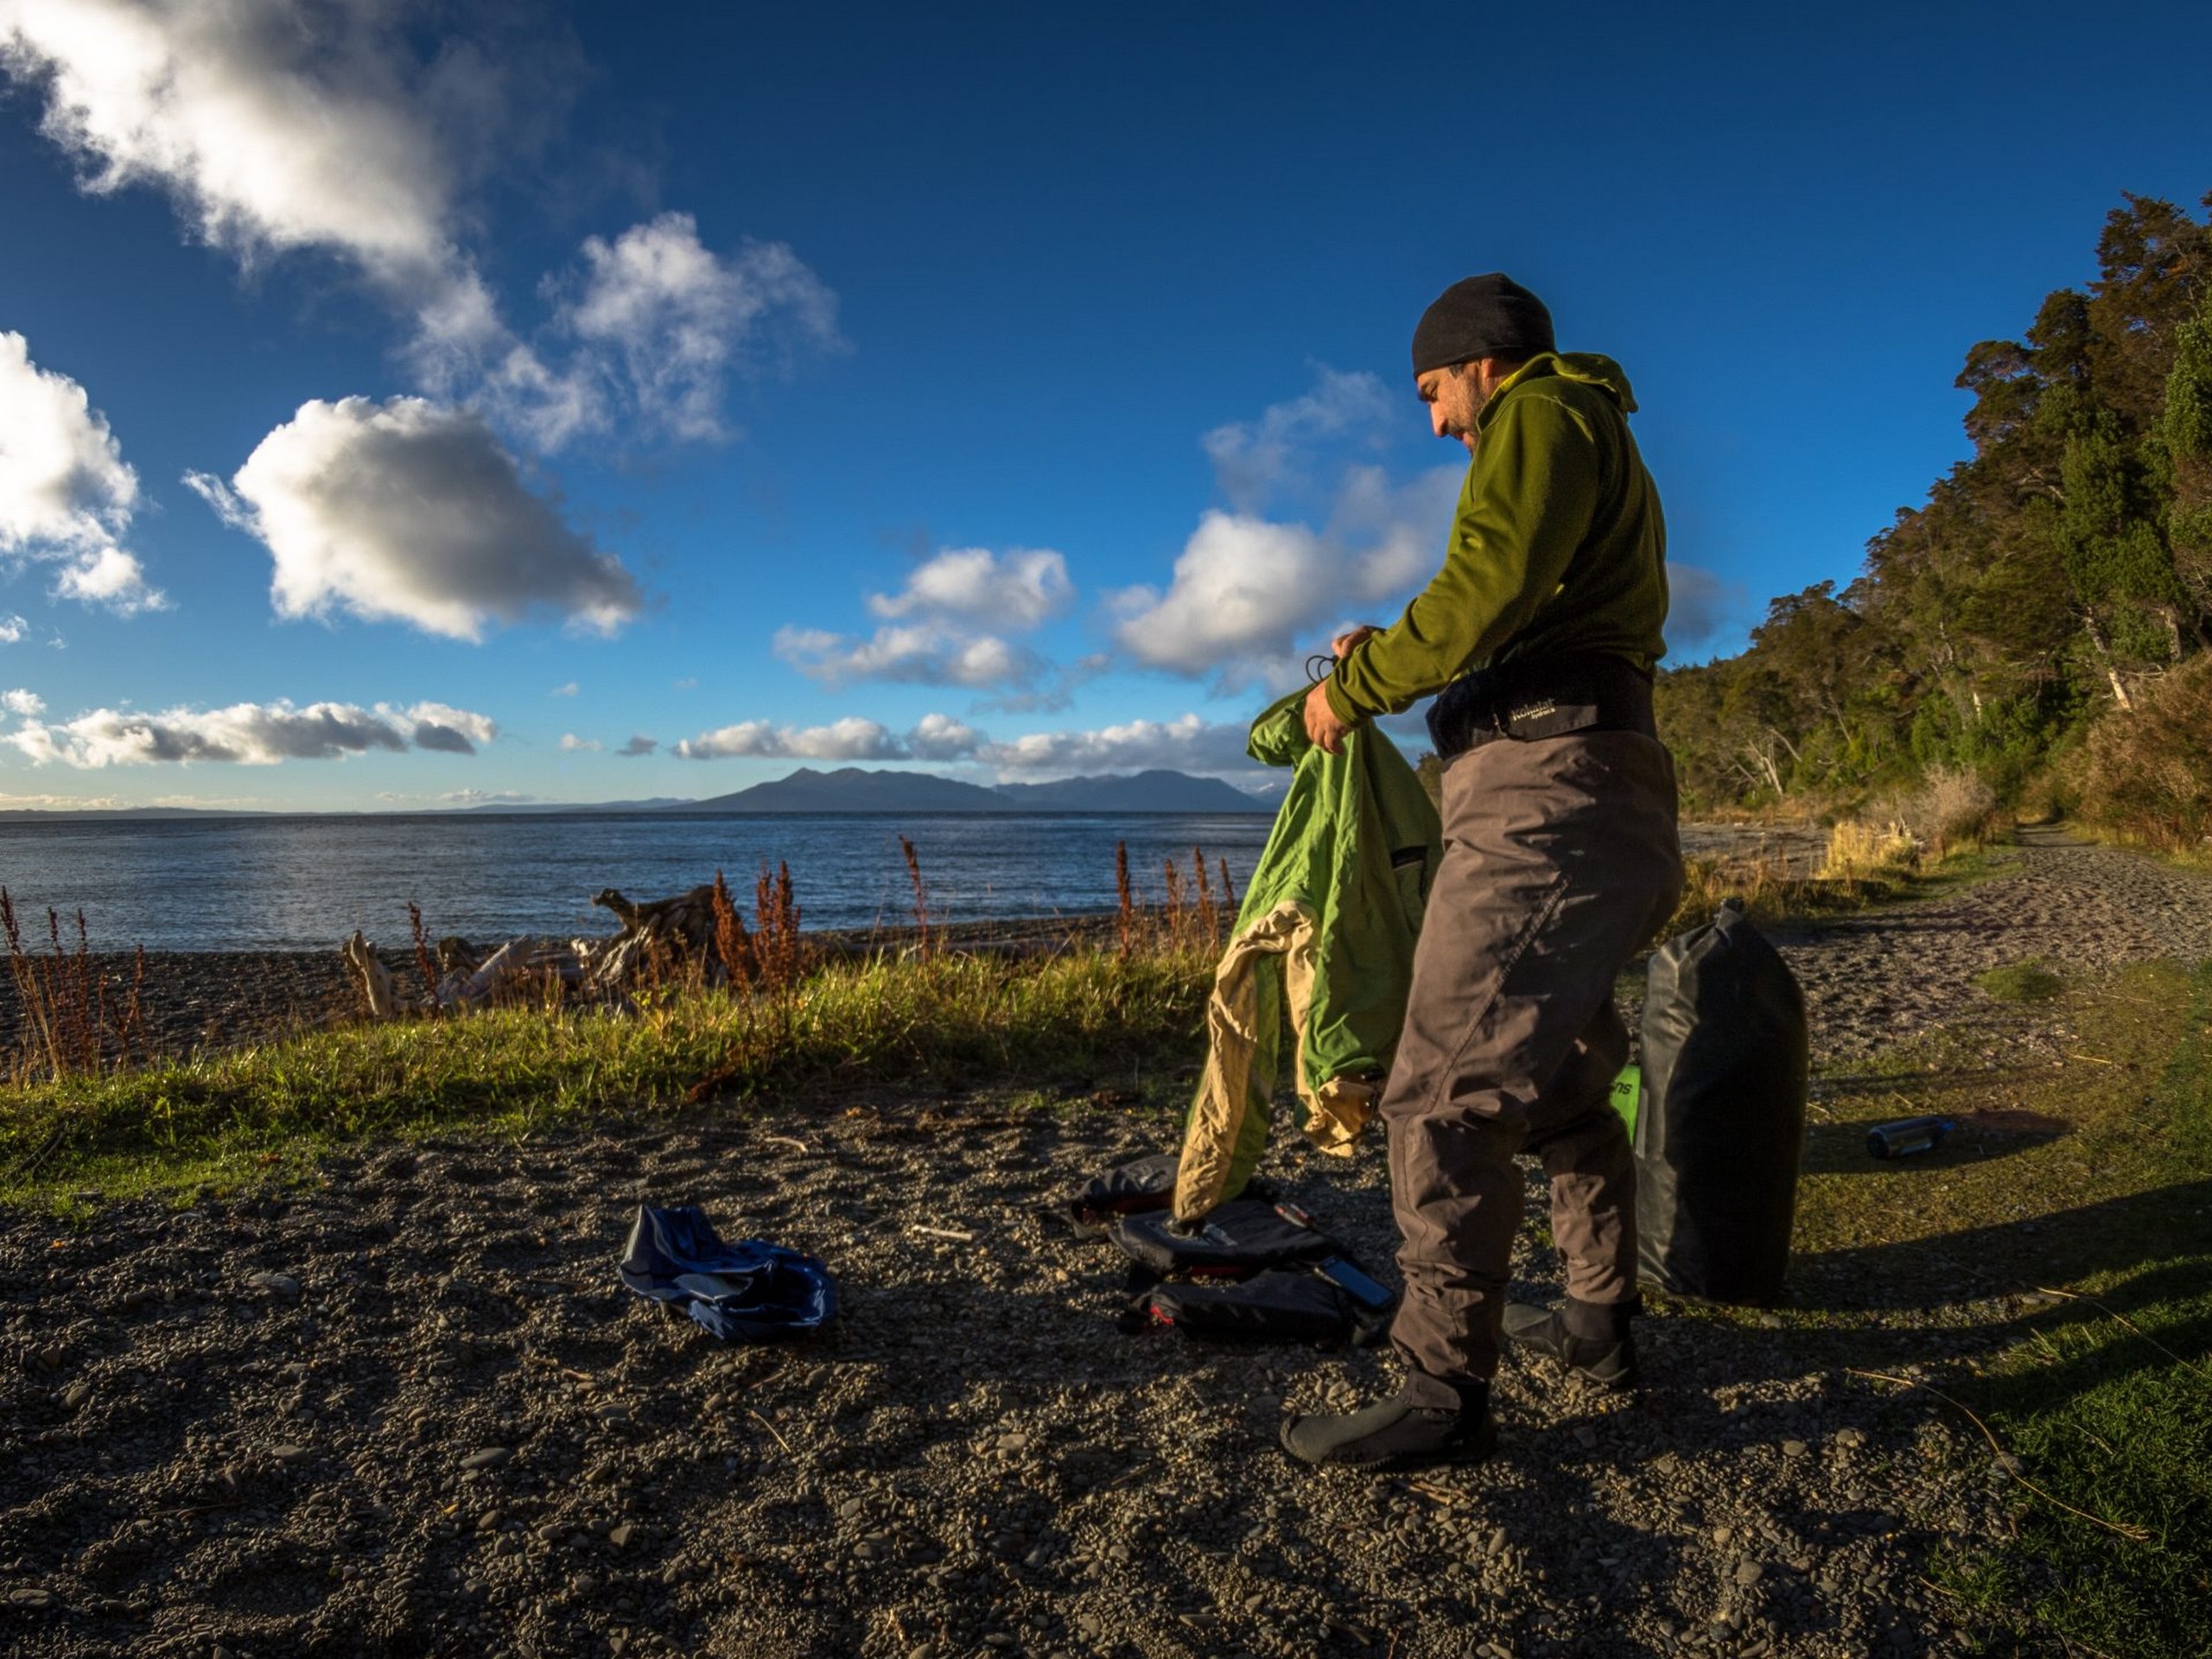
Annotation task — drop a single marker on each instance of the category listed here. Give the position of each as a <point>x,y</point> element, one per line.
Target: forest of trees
<point>2044,621</point>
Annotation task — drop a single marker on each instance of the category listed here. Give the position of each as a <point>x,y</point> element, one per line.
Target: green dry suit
<point>1327,927</point>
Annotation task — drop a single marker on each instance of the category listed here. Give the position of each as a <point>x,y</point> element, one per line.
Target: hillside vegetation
<point>2038,632</point>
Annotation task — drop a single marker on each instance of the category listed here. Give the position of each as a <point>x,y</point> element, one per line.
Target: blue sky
<point>408,405</point>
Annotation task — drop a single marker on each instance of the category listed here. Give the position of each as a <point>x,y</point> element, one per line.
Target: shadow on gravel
<point>2009,1258</point>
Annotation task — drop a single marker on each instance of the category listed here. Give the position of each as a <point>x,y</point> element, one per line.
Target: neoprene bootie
<point>1589,1339</point>
<point>1398,1433</point>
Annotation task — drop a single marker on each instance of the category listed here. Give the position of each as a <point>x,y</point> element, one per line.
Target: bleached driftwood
<point>681,927</point>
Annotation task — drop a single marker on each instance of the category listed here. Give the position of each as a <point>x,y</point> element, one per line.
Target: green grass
<point>2021,982</point>
<point>255,1113</point>
<point>2103,1393</point>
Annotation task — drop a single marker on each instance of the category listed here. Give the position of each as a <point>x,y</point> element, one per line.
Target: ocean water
<point>306,883</point>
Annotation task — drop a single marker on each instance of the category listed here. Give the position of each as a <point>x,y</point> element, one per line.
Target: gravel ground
<point>409,1413</point>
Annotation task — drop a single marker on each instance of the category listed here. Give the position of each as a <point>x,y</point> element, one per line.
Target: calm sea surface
<point>305,883</point>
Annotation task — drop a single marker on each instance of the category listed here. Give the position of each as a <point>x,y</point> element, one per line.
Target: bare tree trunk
<point>2095,629</point>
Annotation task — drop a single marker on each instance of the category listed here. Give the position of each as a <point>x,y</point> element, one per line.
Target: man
<point>1561,861</point>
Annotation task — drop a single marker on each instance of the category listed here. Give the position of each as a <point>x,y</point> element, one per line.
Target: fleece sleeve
<point>1528,505</point>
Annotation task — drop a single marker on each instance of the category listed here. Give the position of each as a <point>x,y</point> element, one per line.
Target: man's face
<point>1455,396</point>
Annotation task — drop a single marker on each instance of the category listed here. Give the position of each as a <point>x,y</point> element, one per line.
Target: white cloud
<point>1252,459</point>
<point>1250,596</point>
<point>940,737</point>
<point>667,318</point>
<point>280,127</point>
<point>485,798</point>
<point>850,739</point>
<point>276,128</point>
<point>638,745</point>
<point>936,737</point>
<point>412,511</point>
<point>66,495</point>
<point>571,744</point>
<point>1188,744</point>
<point>248,733</point>
<point>1016,589</point>
<point>20,701</point>
<point>12,630</point>
<point>940,627</point>
<point>922,653</point>
<point>1252,593</point>
<point>112,578</point>
<point>440,725</point>
<point>568,689</point>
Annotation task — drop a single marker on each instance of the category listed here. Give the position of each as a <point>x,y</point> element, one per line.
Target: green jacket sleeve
<point>1528,505</point>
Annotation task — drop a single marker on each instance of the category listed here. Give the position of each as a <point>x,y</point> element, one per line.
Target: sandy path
<point>194,1461</point>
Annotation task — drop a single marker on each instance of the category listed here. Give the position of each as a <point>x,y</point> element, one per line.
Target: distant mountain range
<point>850,789</point>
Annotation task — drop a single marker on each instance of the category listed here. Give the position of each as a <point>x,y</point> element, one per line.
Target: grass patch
<point>2021,982</point>
<point>1773,895</point>
<point>952,1020</point>
<point>2092,1179</point>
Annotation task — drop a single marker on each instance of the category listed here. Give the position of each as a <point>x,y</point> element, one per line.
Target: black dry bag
<point>1722,1127</point>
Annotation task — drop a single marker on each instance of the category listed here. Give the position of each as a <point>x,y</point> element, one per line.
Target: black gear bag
<point>1721,1130</point>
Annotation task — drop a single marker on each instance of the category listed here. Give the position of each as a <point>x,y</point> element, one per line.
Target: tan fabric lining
<point>1335,1113</point>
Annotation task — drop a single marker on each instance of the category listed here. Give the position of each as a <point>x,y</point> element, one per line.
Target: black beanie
<point>1481,316</point>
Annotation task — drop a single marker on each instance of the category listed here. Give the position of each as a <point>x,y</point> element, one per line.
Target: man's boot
<point>1591,1339</point>
<point>1405,1431</point>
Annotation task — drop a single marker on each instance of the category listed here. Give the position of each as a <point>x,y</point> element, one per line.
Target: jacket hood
<point>1589,367</point>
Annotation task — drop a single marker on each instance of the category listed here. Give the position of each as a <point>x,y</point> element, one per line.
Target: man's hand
<point>1358,633</point>
<point>1321,722</point>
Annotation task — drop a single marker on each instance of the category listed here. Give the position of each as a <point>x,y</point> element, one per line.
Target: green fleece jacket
<point>1558,545</point>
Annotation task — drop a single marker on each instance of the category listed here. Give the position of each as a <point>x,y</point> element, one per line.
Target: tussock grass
<point>1772,893</point>
<point>1858,850</point>
<point>946,1019</point>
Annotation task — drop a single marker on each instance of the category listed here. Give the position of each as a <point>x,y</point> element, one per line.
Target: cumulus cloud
<point>1250,596</point>
<point>281,126</point>
<point>1253,459</point>
<point>412,511</point>
<point>275,127</point>
<point>850,739</point>
<point>21,701</point>
<point>440,725</point>
<point>1253,591</point>
<point>1189,744</point>
<point>568,689</point>
<point>571,744</point>
<point>12,630</point>
<point>934,737</point>
<point>639,744</point>
<point>940,737</point>
<point>248,733</point>
<point>1018,589</point>
<point>66,495</point>
<point>942,626</point>
<point>922,653</point>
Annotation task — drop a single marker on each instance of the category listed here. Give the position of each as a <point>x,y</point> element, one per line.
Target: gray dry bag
<point>1721,1130</point>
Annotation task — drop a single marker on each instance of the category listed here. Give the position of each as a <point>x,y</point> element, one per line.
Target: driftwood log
<point>661,933</point>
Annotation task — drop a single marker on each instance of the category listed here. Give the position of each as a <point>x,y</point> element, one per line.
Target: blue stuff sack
<point>745,1292</point>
